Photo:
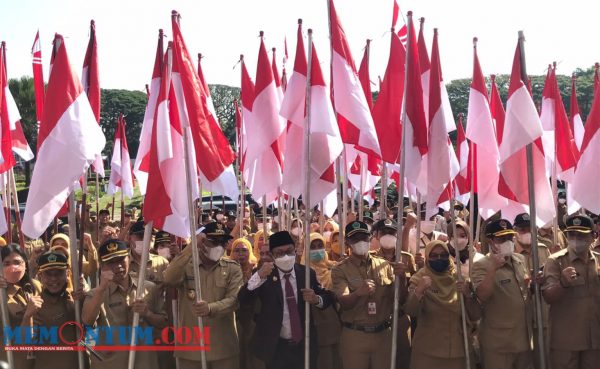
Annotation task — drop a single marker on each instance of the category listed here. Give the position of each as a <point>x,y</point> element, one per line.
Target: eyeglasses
<point>439,256</point>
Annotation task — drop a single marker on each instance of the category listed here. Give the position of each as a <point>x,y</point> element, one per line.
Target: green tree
<point>223,97</point>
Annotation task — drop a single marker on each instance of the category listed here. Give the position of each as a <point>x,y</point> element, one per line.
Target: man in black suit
<point>279,334</point>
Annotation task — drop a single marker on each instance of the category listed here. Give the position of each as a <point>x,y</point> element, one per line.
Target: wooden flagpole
<point>15,198</point>
<point>75,265</point>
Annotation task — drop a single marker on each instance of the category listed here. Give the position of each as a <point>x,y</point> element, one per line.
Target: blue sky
<point>222,30</point>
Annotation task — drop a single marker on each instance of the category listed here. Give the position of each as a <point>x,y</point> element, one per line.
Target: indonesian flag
<point>284,79</point>
<point>69,140</point>
<point>558,132</point>
<point>416,124</point>
<point>387,112</point>
<point>214,155</point>
<point>264,127</point>
<point>353,113</point>
<point>247,99</point>
<point>585,189</point>
<point>462,182</point>
<point>523,127</point>
<point>226,183</point>
<point>141,167</point>
<point>440,157</point>
<point>482,119</point>
<point>38,78</point>
<point>325,140</point>
<point>166,200</point>
<point>575,118</point>
<point>425,65</point>
<point>121,177</point>
<point>10,114</point>
<point>90,79</point>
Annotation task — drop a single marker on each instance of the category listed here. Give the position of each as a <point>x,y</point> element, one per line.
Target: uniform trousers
<point>362,350</point>
<point>507,360</point>
<point>291,356</point>
<point>589,359</point>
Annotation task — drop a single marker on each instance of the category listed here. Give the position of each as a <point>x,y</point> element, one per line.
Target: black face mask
<point>463,254</point>
<point>440,265</point>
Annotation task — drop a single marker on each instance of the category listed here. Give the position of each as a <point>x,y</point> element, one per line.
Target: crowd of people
<point>464,294</point>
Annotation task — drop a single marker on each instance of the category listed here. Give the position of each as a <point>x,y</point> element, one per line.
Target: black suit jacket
<point>270,318</point>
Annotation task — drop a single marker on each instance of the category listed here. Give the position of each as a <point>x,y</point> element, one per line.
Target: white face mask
<point>360,248</point>
<point>457,213</point>
<point>578,246</point>
<point>460,243</point>
<point>388,241</point>
<point>220,217</point>
<point>506,248</point>
<point>285,263</point>
<point>214,253</point>
<point>524,239</point>
<point>295,231</point>
<point>562,201</point>
<point>326,235</point>
<point>164,252</point>
<point>427,226</point>
<point>139,247</point>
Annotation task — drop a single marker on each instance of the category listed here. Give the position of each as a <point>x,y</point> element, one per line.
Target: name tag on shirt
<point>372,308</point>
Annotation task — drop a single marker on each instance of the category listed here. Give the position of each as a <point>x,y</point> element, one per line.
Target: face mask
<point>506,248</point>
<point>326,235</point>
<point>427,226</point>
<point>457,213</point>
<point>139,247</point>
<point>562,201</point>
<point>164,252</point>
<point>360,248</point>
<point>388,241</point>
<point>14,273</point>
<point>460,243</point>
<point>214,253</point>
<point>295,231</point>
<point>524,239</point>
<point>317,255</point>
<point>285,263</point>
<point>579,247</point>
<point>439,265</point>
<point>220,217</point>
<point>335,247</point>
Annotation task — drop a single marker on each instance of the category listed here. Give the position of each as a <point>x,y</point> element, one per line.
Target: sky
<point>127,31</point>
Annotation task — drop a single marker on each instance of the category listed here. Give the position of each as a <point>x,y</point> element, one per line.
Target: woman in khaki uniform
<point>433,298</point>
<point>23,298</point>
<point>326,320</point>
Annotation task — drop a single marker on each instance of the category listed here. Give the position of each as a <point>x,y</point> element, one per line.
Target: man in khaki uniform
<point>113,303</point>
<point>572,288</point>
<point>57,309</point>
<point>385,232</point>
<point>500,282</point>
<point>156,264</point>
<point>220,280</point>
<point>364,286</point>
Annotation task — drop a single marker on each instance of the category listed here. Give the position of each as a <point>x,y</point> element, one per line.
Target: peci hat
<point>356,227</point>
<point>385,223</point>
<point>162,236</point>
<point>112,249</point>
<point>215,230</point>
<point>52,260</point>
<point>522,220</point>
<point>579,223</point>
<point>499,228</point>
<point>282,238</point>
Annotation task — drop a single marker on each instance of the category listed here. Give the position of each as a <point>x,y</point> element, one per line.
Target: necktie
<point>293,310</point>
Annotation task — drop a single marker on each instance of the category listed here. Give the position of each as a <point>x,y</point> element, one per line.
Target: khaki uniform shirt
<point>543,255</point>
<point>405,257</point>
<point>55,311</point>
<point>506,323</point>
<point>219,285</point>
<point>575,318</point>
<point>350,274</point>
<point>154,270</point>
<point>116,311</point>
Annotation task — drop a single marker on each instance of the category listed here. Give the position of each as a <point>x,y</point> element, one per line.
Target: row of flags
<point>271,122</point>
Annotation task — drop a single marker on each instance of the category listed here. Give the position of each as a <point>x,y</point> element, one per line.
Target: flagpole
<point>97,208</point>
<point>5,319</point>
<point>75,265</point>
<point>400,202</point>
<point>555,188</point>
<point>264,219</point>
<point>383,192</point>
<point>460,278</point>
<point>533,216</point>
<point>12,183</point>
<point>418,233</point>
<point>6,203</point>
<point>139,293</point>
<point>83,219</point>
<point>306,198</point>
<point>279,209</point>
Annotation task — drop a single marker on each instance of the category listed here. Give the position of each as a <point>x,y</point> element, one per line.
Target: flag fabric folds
<point>121,176</point>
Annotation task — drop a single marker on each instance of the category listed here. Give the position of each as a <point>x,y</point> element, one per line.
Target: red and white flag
<point>416,124</point>
<point>440,156</point>
<point>11,124</point>
<point>69,140</point>
<point>38,78</point>
<point>3,225</point>
<point>247,100</point>
<point>264,127</point>
<point>462,182</point>
<point>387,112</point>
<point>325,139</point>
<point>523,127</point>
<point>574,116</point>
<point>425,65</point>
<point>402,33</point>
<point>141,167</point>
<point>166,200</point>
<point>121,176</point>
<point>353,112</point>
<point>214,156</point>
<point>90,79</point>
<point>585,189</point>
<point>225,182</point>
<point>482,119</point>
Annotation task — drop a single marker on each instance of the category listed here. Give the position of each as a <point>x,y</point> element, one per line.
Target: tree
<point>223,97</point>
